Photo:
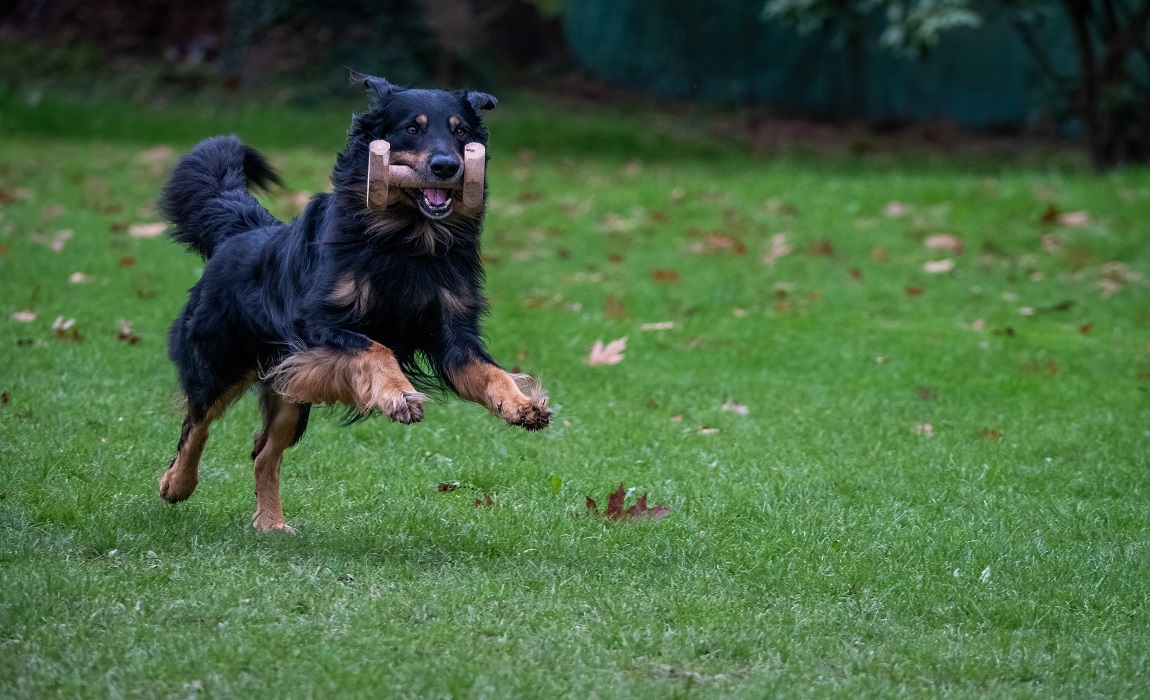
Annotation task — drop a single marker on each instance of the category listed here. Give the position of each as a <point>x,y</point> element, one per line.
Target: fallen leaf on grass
<point>938,267</point>
<point>660,326</point>
<point>297,202</point>
<point>989,433</point>
<point>735,407</point>
<point>66,329</point>
<point>151,230</point>
<point>639,510</point>
<point>896,209</point>
<point>913,291</point>
<point>665,275</point>
<point>823,247</point>
<point>78,278</point>
<point>878,254</point>
<point>1051,243</point>
<point>25,316</point>
<point>707,430</point>
<point>127,334</point>
<point>1085,328</point>
<point>447,488</point>
<point>56,242</point>
<point>779,248</point>
<point>128,261</point>
<point>5,398</point>
<point>610,354</point>
<point>1074,218</point>
<point>486,502</point>
<point>614,308</point>
<point>7,196</point>
<point>924,429</point>
<point>157,158</point>
<point>945,241</point>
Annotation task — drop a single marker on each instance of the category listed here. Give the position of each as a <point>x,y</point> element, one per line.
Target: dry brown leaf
<point>779,248</point>
<point>614,308</point>
<point>735,407</point>
<point>896,209</point>
<point>945,241</point>
<point>1074,218</point>
<point>665,275</point>
<point>615,510</point>
<point>126,333</point>
<point>610,354</point>
<point>823,247</point>
<point>157,158</point>
<point>151,230</point>
<point>938,267</point>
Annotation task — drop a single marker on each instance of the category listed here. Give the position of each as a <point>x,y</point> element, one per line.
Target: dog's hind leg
<point>284,423</point>
<point>182,476</point>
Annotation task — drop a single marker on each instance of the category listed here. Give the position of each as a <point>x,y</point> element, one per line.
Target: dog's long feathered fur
<point>340,286</point>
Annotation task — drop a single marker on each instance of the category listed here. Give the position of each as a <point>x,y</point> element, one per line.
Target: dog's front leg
<point>516,398</point>
<point>363,378</point>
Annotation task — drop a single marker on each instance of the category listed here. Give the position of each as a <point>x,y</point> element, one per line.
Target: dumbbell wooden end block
<point>384,180</point>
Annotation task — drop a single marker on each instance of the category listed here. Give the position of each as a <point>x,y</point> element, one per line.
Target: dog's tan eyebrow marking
<point>454,122</point>
<point>421,120</point>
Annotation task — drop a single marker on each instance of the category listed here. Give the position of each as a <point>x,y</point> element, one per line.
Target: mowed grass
<point>938,487</point>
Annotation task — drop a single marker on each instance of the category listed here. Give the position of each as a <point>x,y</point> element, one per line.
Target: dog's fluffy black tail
<point>207,196</point>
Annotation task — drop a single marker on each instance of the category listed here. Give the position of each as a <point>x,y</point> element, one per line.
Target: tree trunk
<point>1109,125</point>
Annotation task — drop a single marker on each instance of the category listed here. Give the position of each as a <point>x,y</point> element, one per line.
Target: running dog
<point>344,305</point>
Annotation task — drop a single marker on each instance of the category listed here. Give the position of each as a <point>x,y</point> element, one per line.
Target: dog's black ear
<point>481,101</point>
<point>377,87</point>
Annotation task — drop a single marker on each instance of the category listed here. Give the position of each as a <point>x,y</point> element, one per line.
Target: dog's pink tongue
<point>436,197</point>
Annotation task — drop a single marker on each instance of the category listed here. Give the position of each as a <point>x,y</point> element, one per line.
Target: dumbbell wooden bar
<point>384,180</point>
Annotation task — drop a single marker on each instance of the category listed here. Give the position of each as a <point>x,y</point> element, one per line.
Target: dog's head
<point>428,130</point>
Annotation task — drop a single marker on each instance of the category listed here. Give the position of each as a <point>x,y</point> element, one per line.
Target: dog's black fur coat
<point>267,288</point>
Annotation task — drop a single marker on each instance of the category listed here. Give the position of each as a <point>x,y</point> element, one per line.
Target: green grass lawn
<point>885,481</point>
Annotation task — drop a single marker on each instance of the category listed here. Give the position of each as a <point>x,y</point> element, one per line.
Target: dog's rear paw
<point>176,484</point>
<point>407,408</point>
<point>271,525</point>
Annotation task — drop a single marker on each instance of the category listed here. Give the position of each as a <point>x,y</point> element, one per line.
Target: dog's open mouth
<point>435,203</point>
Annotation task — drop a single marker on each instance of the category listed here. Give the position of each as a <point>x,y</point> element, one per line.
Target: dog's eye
<point>460,131</point>
<point>413,130</point>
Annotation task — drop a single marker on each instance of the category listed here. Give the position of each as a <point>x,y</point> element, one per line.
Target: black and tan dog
<point>344,305</point>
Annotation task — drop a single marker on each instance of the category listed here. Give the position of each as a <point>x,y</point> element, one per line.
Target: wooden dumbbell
<point>384,180</point>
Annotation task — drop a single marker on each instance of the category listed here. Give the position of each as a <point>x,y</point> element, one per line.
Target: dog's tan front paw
<point>406,408</point>
<point>526,413</point>
<point>177,484</point>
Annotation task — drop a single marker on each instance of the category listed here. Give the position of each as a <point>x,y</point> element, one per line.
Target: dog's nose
<point>444,167</point>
